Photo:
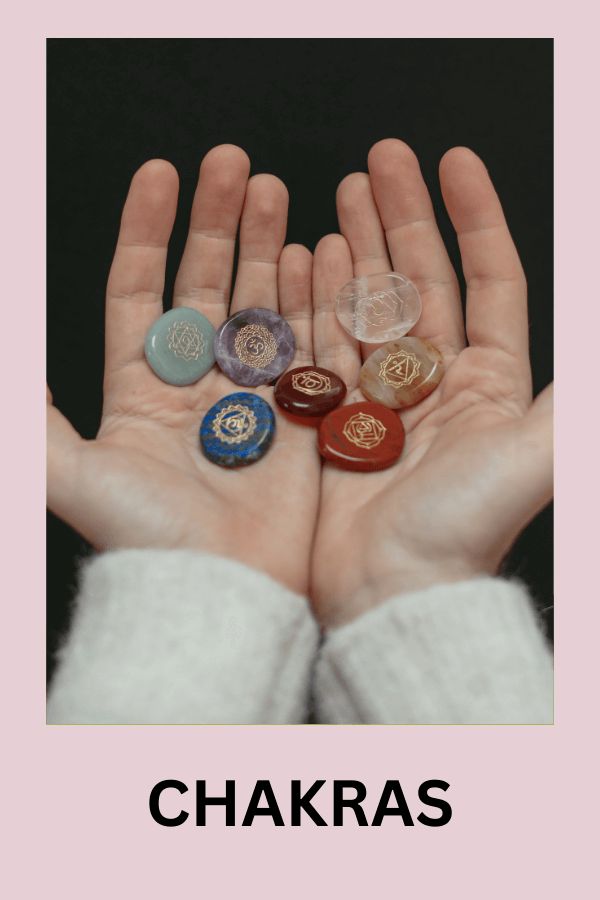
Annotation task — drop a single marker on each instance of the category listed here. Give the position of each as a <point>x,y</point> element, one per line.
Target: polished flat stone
<point>238,430</point>
<point>254,346</point>
<point>362,437</point>
<point>309,392</point>
<point>402,372</point>
<point>179,346</point>
<point>378,308</point>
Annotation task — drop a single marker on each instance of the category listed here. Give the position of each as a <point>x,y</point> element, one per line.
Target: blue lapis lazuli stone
<point>238,430</point>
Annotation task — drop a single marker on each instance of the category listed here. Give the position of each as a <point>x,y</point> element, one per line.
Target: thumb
<point>63,448</point>
<point>539,441</point>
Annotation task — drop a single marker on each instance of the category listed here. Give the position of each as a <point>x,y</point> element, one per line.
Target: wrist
<point>378,586</point>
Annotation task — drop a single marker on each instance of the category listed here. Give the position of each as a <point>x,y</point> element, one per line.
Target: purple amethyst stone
<point>254,346</point>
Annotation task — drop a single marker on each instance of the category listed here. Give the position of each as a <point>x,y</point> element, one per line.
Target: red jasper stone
<point>309,392</point>
<point>363,437</point>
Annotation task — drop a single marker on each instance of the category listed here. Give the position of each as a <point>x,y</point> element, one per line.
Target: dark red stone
<point>363,437</point>
<point>309,392</point>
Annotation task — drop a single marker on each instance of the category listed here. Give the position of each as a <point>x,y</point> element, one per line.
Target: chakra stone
<point>179,346</point>
<point>309,392</point>
<point>402,372</point>
<point>362,437</point>
<point>238,430</point>
<point>378,308</point>
<point>254,346</point>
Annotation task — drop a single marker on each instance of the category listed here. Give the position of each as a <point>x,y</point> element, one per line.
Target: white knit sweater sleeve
<point>470,652</point>
<point>172,636</point>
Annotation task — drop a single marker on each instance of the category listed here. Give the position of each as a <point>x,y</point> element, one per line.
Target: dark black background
<point>308,111</point>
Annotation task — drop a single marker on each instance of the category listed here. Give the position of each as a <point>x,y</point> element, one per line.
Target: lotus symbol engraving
<point>399,369</point>
<point>234,423</point>
<point>364,430</point>
<point>255,346</point>
<point>185,340</point>
<point>311,383</point>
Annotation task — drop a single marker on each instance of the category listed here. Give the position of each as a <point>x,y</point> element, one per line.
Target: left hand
<point>477,463</point>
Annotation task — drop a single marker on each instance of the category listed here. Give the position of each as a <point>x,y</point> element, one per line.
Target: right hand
<point>144,482</point>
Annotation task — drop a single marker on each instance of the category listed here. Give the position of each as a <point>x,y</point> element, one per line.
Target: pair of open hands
<point>477,463</point>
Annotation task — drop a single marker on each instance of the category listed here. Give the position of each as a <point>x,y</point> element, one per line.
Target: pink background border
<point>75,805</point>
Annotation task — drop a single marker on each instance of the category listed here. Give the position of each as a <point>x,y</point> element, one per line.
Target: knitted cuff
<point>470,652</point>
<point>173,636</point>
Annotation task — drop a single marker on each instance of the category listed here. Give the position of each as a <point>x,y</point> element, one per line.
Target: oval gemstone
<point>238,430</point>
<point>309,391</point>
<point>402,373</point>
<point>378,308</point>
<point>363,437</point>
<point>179,346</point>
<point>254,346</point>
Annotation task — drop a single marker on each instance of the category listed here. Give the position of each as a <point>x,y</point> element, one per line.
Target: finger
<point>136,280</point>
<point>496,287</point>
<point>63,448</point>
<point>295,298</point>
<point>360,225</point>
<point>204,278</point>
<point>262,236</point>
<point>414,241</point>
<point>334,349</point>
<point>543,405</point>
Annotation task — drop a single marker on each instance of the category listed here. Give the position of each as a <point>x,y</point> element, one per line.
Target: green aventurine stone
<point>179,346</point>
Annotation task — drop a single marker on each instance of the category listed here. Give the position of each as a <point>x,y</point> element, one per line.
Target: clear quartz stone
<point>378,308</point>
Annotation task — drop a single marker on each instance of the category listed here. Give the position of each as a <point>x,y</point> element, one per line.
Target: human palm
<point>143,482</point>
<point>477,462</point>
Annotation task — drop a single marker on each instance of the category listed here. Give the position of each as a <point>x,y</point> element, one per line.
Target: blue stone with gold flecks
<point>238,430</point>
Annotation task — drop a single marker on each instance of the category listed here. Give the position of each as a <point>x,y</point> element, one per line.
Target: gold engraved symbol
<point>311,383</point>
<point>255,346</point>
<point>185,340</point>
<point>378,309</point>
<point>234,423</point>
<point>364,431</point>
<point>399,369</point>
